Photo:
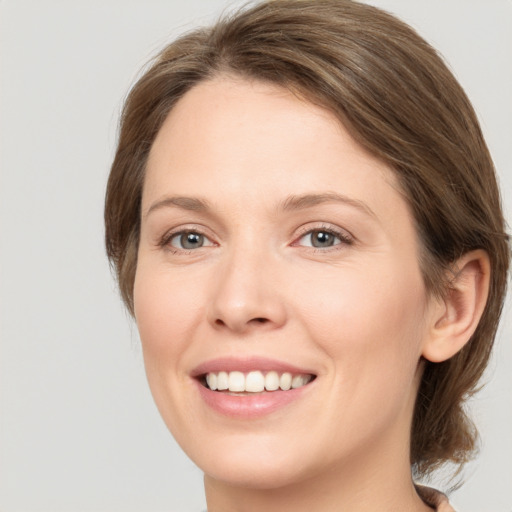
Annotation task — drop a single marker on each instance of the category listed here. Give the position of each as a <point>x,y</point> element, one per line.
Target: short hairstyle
<point>400,102</point>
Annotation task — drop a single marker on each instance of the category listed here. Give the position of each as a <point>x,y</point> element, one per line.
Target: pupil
<point>191,240</point>
<point>323,239</point>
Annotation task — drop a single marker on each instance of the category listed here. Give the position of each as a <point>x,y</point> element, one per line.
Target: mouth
<point>248,388</point>
<point>253,382</point>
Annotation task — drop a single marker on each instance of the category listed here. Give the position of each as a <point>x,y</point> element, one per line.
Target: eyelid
<point>165,240</point>
<point>180,234</point>
<point>345,237</point>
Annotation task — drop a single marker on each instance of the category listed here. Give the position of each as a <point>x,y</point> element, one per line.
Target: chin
<point>247,474</point>
<point>255,462</point>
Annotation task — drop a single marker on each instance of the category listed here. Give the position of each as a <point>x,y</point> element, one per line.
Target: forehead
<point>230,138</point>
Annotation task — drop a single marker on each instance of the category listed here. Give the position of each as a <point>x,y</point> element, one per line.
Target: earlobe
<point>457,315</point>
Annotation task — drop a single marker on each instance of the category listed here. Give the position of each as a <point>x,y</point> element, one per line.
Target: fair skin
<point>270,240</point>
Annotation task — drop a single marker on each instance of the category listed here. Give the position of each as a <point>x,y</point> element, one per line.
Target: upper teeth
<point>255,382</point>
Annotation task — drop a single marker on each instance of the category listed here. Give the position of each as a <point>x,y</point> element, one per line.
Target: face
<point>276,252</point>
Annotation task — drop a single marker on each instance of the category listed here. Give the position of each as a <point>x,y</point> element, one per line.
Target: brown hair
<point>399,100</point>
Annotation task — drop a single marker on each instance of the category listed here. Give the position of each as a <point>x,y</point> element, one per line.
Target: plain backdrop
<point>78,428</point>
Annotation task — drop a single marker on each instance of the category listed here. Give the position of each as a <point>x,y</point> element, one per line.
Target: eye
<point>189,240</point>
<point>322,238</point>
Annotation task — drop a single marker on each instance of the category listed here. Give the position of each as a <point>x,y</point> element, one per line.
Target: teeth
<point>299,381</point>
<point>211,380</point>
<point>285,382</point>
<point>255,381</point>
<point>271,381</point>
<point>236,381</point>
<point>222,381</point>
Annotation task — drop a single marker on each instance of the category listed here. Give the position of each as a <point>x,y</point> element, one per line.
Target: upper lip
<point>247,364</point>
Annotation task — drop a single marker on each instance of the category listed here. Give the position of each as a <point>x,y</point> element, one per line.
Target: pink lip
<point>230,364</point>
<point>248,406</point>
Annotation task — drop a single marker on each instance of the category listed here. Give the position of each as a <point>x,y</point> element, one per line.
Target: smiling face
<point>274,249</point>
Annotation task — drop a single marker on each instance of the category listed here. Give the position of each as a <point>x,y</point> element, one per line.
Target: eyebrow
<point>309,200</point>
<point>291,203</point>
<point>193,204</point>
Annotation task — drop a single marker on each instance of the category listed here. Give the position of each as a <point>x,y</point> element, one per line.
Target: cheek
<point>369,320</point>
<point>165,310</point>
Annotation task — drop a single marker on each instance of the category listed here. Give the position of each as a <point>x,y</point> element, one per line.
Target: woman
<point>305,224</point>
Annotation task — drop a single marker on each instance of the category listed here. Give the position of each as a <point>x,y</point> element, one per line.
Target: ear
<point>456,317</point>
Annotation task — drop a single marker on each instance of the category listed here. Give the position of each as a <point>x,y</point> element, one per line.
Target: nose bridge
<point>247,293</point>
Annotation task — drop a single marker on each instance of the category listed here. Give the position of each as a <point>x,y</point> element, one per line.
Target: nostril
<point>239,325</point>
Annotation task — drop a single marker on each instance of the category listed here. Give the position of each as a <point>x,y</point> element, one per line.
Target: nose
<point>247,294</point>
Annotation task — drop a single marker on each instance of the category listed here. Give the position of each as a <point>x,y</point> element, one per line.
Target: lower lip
<point>249,406</point>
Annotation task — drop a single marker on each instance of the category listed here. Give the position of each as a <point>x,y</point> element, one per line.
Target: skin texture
<point>355,314</point>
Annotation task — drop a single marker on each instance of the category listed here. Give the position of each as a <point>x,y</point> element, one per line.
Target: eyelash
<point>343,237</point>
<point>165,241</point>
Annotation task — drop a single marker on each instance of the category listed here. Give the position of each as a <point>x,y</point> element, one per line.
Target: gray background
<point>78,429</point>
